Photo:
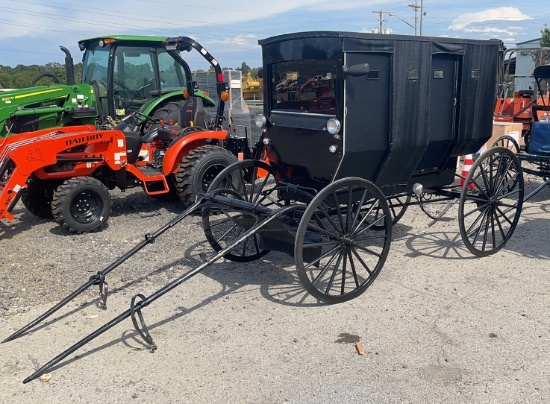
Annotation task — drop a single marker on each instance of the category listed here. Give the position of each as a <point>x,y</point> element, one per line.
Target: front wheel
<point>340,246</point>
<point>491,201</point>
<point>252,181</point>
<point>198,169</point>
<point>37,198</point>
<point>81,204</point>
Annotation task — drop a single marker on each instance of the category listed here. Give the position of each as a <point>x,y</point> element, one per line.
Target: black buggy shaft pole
<point>99,278</point>
<point>148,300</point>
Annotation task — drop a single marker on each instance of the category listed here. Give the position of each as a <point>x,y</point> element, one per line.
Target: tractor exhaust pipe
<point>69,66</point>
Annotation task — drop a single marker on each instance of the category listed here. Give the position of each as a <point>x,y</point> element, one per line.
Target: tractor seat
<point>163,133</point>
<point>192,113</point>
<point>133,142</point>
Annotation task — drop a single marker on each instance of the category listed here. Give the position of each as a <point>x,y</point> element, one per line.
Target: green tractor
<point>121,74</point>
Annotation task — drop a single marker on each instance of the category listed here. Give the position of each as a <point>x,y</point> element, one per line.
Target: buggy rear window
<point>307,86</point>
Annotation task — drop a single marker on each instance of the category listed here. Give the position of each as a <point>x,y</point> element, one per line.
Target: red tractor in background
<point>66,173</point>
<point>513,104</point>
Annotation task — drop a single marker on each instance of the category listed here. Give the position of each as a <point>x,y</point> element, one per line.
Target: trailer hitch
<point>137,306</point>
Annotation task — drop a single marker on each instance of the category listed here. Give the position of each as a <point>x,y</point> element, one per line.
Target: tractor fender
<point>182,146</point>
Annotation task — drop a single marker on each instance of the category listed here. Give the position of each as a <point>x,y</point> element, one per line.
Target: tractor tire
<point>198,169</point>
<point>37,198</point>
<point>81,204</point>
<point>170,111</point>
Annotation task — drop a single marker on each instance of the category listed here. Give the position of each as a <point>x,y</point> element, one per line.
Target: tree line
<point>23,76</point>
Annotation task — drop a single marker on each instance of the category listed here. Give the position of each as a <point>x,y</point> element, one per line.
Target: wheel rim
<point>223,224</point>
<point>491,201</point>
<point>210,174</point>
<point>340,248</point>
<point>86,207</point>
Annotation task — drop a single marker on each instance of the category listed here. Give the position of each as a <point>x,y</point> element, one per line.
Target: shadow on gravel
<point>23,222</point>
<point>438,244</point>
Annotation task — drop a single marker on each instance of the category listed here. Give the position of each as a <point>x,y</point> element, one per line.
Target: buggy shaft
<point>99,277</point>
<point>148,300</point>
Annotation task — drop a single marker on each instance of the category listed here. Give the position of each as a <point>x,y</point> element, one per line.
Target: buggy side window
<point>307,86</point>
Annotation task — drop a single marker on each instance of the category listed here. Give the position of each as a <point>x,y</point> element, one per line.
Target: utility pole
<point>415,6</point>
<point>381,19</point>
<point>422,13</point>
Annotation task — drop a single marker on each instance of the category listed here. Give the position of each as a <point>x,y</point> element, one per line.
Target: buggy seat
<point>539,134</point>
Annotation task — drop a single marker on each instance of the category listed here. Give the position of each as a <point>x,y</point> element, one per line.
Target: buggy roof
<point>367,36</point>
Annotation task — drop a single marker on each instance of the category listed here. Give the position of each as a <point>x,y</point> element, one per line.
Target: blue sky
<point>32,30</point>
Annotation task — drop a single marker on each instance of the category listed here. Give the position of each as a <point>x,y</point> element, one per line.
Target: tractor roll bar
<point>184,43</point>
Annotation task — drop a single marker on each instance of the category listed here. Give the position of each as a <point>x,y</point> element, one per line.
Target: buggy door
<point>366,118</point>
<point>443,109</point>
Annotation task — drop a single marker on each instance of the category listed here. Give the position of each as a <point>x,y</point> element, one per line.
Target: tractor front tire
<point>81,204</point>
<point>198,169</point>
<point>37,198</point>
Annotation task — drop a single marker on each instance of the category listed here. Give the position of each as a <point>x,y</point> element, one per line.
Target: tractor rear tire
<point>170,111</point>
<point>198,169</point>
<point>81,204</point>
<point>37,198</point>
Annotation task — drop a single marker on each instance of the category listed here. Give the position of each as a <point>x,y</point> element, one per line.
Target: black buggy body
<point>406,107</point>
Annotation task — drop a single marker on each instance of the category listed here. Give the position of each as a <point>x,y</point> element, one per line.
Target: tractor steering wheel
<point>144,122</point>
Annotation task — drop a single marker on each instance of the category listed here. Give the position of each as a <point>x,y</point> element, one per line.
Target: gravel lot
<point>437,325</point>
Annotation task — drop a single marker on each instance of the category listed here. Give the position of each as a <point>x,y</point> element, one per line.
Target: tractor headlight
<point>333,126</point>
<point>333,148</point>
<point>260,121</point>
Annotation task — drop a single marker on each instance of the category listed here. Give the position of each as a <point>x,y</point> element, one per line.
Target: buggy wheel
<point>340,248</point>
<point>434,206</point>
<point>507,142</point>
<point>198,169</point>
<point>81,204</point>
<point>398,206</point>
<point>37,198</point>
<point>491,201</point>
<point>248,180</point>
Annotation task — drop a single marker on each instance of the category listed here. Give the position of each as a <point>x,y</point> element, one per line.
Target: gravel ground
<point>437,325</point>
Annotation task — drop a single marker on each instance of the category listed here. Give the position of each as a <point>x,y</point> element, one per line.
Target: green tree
<point>545,32</point>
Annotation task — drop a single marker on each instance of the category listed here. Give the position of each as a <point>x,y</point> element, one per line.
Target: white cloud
<point>464,21</point>
<point>244,41</point>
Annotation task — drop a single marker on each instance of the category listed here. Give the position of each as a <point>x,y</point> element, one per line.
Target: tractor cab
<point>130,72</point>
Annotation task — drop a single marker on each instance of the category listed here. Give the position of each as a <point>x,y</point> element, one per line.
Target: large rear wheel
<point>198,169</point>
<point>343,240</point>
<point>491,201</point>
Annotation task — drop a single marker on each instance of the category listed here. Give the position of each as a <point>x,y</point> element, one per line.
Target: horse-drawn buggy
<point>355,128</point>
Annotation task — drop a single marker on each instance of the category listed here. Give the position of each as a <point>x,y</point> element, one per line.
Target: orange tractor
<point>66,173</point>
